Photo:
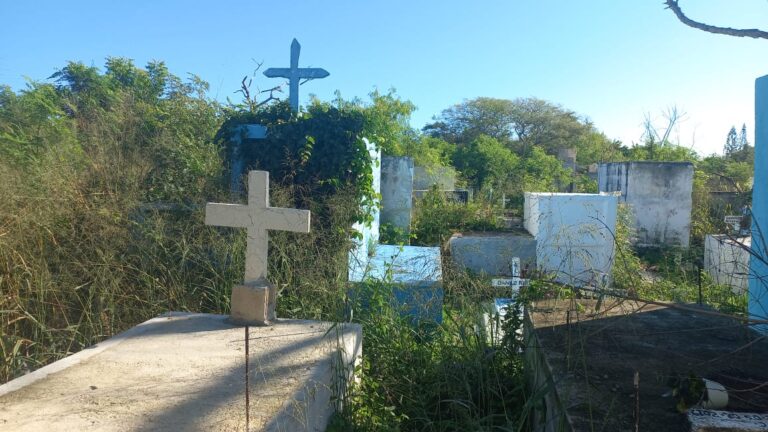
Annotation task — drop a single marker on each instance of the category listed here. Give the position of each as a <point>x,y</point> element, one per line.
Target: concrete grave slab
<point>582,355</point>
<point>186,372</point>
<point>492,252</point>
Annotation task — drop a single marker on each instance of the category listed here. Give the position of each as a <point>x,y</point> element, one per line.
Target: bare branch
<point>753,33</point>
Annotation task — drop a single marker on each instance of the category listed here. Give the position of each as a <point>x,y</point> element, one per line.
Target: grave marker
<point>295,74</point>
<point>253,132</point>
<point>254,301</point>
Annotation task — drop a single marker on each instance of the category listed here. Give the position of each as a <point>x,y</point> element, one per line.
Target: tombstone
<point>295,74</point>
<point>415,272</point>
<point>574,235</point>
<point>442,177</point>
<point>253,302</point>
<point>237,163</point>
<point>492,253</point>
<point>364,246</point>
<point>758,282</point>
<point>567,157</point>
<point>726,259</point>
<point>397,191</point>
<point>659,196</point>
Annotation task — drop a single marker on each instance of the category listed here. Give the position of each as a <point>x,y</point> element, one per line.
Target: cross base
<point>253,303</point>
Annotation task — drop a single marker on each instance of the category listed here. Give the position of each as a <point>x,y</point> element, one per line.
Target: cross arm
<point>228,215</point>
<point>284,219</point>
<point>314,73</point>
<point>277,73</point>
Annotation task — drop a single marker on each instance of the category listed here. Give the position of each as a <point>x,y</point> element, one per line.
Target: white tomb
<point>726,259</point>
<point>574,235</point>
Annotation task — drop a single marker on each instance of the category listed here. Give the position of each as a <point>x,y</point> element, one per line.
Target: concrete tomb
<point>726,259</point>
<point>253,302</point>
<point>574,235</point>
<point>659,196</point>
<point>397,191</point>
<point>582,356</point>
<point>416,272</point>
<point>758,282</point>
<point>295,74</point>
<point>492,253</point>
<point>186,372</point>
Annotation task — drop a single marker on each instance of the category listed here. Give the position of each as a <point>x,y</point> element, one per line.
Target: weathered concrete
<point>442,177</point>
<point>574,235</point>
<point>726,259</point>
<point>397,191</point>
<point>659,194</point>
<point>582,355</point>
<point>758,283</point>
<point>491,253</point>
<point>186,372</point>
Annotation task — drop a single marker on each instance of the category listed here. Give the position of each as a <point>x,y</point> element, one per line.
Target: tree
<point>674,6</point>
<point>519,124</point>
<point>731,142</point>
<point>743,136</point>
<point>464,122</point>
<point>485,162</point>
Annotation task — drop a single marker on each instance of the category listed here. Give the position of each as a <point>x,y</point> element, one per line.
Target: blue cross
<point>295,74</point>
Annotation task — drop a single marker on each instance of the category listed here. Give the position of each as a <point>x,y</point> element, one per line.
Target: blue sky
<point>613,61</point>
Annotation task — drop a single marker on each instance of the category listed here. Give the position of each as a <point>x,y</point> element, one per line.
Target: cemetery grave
<point>588,351</point>
<point>598,364</point>
<point>659,196</point>
<point>415,272</point>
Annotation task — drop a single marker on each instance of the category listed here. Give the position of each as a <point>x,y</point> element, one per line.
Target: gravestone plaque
<point>704,420</point>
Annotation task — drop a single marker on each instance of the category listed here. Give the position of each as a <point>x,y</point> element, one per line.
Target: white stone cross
<point>257,217</point>
<point>295,74</point>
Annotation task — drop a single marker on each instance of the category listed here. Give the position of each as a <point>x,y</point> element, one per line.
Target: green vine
<point>321,150</point>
